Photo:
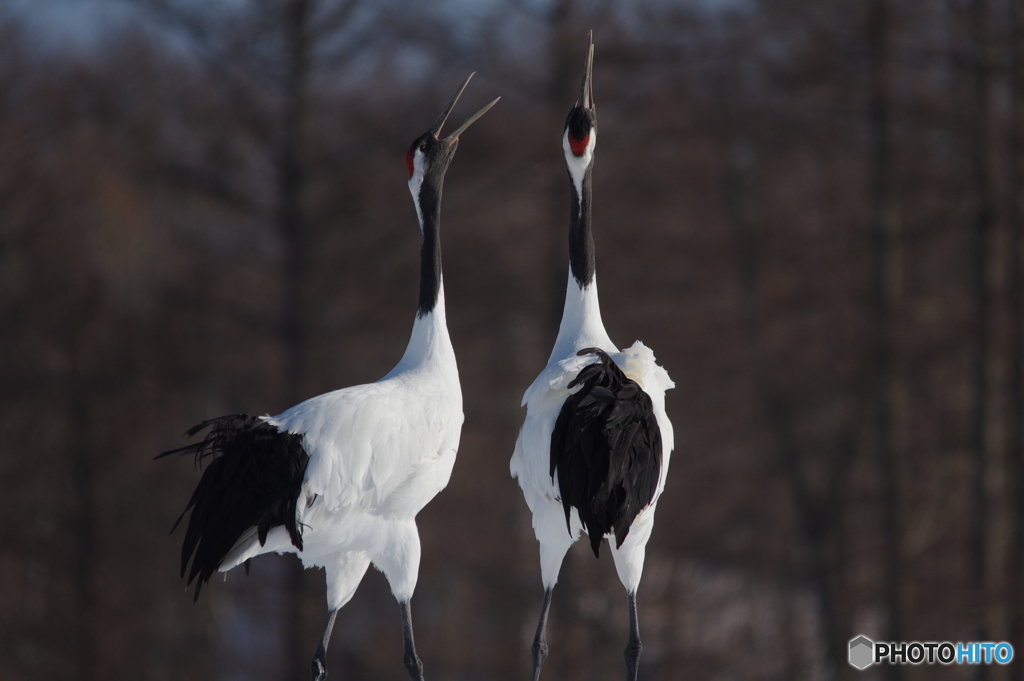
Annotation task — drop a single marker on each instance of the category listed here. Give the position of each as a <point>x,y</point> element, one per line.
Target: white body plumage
<point>378,453</point>
<point>581,327</point>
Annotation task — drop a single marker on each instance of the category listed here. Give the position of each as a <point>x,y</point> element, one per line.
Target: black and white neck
<point>430,340</point>
<point>579,161</point>
<point>427,161</point>
<point>426,188</point>
<point>581,325</point>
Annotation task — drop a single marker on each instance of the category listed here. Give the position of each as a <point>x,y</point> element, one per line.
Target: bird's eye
<point>423,146</point>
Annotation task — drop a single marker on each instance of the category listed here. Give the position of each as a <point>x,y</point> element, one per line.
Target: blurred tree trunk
<point>982,237</point>
<point>890,390</point>
<point>1015,423</point>
<point>83,468</point>
<point>290,186</point>
<point>819,513</point>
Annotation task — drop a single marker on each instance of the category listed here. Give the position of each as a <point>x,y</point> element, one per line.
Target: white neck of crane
<point>581,325</point>
<point>430,346</point>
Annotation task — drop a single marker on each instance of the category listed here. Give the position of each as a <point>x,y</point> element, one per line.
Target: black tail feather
<point>253,479</point>
<point>606,450</point>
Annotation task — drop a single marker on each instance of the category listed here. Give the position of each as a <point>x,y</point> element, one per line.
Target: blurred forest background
<point>810,209</point>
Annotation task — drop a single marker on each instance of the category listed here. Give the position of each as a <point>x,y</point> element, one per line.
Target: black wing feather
<point>606,450</point>
<point>254,478</point>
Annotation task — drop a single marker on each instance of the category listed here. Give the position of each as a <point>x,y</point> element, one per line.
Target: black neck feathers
<point>430,248</point>
<point>581,241</point>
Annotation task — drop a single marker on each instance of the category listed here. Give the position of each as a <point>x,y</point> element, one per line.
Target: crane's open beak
<point>586,99</point>
<point>436,130</point>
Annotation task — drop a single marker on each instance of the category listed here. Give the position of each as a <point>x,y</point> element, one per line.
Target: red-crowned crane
<point>338,479</point>
<point>593,452</point>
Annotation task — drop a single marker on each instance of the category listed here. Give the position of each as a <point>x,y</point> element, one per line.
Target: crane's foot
<point>318,668</point>
<point>540,653</point>
<point>632,655</point>
<point>414,666</point>
<point>540,640</point>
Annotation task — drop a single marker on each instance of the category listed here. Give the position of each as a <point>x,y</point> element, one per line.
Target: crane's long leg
<point>411,659</point>
<point>633,648</point>
<point>540,642</point>
<point>319,663</point>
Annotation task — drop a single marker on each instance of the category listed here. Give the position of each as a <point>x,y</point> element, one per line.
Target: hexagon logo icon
<point>862,652</point>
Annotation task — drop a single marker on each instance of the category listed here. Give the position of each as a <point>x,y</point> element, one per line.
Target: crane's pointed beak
<point>436,129</point>
<point>472,119</point>
<point>586,98</point>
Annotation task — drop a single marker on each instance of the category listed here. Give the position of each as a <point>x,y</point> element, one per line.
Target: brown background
<point>810,210</point>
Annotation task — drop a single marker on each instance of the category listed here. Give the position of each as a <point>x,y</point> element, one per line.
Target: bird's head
<point>580,136</point>
<point>429,155</point>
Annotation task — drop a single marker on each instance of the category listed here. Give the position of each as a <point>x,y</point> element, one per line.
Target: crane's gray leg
<point>540,642</point>
<point>319,663</point>
<point>411,659</point>
<point>633,648</point>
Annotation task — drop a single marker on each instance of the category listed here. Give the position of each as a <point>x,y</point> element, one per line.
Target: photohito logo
<point>864,652</point>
